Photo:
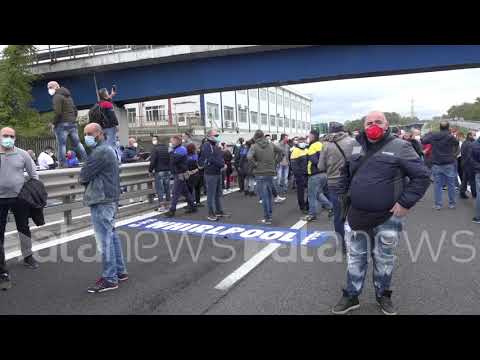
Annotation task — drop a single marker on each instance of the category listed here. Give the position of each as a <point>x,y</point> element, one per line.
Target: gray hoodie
<point>331,159</point>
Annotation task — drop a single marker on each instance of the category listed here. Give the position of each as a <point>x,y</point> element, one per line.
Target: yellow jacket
<point>313,154</point>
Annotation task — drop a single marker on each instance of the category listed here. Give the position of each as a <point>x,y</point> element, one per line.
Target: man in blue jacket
<point>179,169</point>
<point>380,199</point>
<point>212,160</point>
<point>100,175</point>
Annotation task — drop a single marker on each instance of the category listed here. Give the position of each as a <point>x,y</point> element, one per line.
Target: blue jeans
<point>383,241</point>
<point>249,184</point>
<point>444,174</point>
<point>111,136</point>
<point>282,175</point>
<point>264,188</point>
<point>477,200</point>
<point>162,185</point>
<point>62,130</point>
<point>103,220</point>
<point>316,187</point>
<point>338,224</point>
<point>214,193</point>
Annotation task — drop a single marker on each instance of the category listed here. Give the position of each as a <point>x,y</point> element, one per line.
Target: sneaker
<point>452,206</point>
<point>463,196</point>
<point>169,214</point>
<point>330,213</point>
<point>122,277</point>
<point>222,214</point>
<point>102,285</point>
<point>260,202</point>
<point>30,262</point>
<point>309,218</point>
<point>476,220</point>
<point>385,303</point>
<point>161,209</point>
<point>346,304</point>
<point>279,199</point>
<point>199,205</point>
<point>5,282</point>
<point>212,217</point>
<point>436,207</point>
<point>266,221</point>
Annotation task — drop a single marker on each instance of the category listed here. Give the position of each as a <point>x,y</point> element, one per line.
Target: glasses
<point>9,136</point>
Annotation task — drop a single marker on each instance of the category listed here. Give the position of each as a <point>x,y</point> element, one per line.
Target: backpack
<point>96,115</point>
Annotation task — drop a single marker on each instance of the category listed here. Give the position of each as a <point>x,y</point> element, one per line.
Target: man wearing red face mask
<point>380,199</point>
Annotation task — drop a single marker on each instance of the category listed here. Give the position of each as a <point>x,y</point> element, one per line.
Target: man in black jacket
<point>65,122</point>
<point>468,173</point>
<point>444,150</point>
<point>380,200</point>
<point>179,168</point>
<point>160,166</point>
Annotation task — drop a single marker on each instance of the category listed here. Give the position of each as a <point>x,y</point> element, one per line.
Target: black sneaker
<point>476,220</point>
<point>169,214</point>
<point>191,210</point>
<point>5,282</point>
<point>102,285</point>
<point>463,196</point>
<point>346,304</point>
<point>385,303</point>
<point>198,205</point>
<point>122,277</point>
<point>222,214</point>
<point>212,217</point>
<point>30,262</point>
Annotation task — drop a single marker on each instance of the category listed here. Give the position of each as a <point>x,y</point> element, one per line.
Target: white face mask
<point>51,92</point>
<point>154,141</point>
<point>417,137</point>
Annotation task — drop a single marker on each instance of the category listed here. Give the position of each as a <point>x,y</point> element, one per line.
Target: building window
<point>242,114</point>
<point>287,122</point>
<point>253,117</point>
<point>264,119</point>
<point>293,123</point>
<point>271,97</point>
<point>156,114</point>
<point>280,122</point>
<point>253,93</point>
<point>279,99</point>
<point>228,113</point>
<point>132,115</point>
<point>272,120</point>
<point>212,112</point>
<point>286,101</point>
<point>263,94</point>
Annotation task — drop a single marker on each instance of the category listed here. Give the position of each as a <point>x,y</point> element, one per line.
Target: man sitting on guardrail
<point>13,162</point>
<point>100,175</point>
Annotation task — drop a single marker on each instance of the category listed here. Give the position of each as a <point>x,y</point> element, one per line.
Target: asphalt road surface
<point>436,272</point>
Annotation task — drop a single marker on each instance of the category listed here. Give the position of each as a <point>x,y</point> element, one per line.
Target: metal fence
<point>37,144</point>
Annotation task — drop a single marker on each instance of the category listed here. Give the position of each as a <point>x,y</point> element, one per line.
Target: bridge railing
<point>62,185</point>
<point>70,52</point>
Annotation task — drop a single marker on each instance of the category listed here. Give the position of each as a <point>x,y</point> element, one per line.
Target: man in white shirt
<point>45,160</point>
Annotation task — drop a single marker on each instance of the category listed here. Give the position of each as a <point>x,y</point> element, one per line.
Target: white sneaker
<point>279,199</point>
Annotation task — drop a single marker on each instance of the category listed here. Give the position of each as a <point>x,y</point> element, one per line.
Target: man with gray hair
<point>100,175</point>
<point>65,122</point>
<point>13,162</point>
<point>380,198</point>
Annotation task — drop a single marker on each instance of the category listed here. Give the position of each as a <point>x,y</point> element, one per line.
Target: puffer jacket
<point>299,161</point>
<point>101,176</point>
<point>265,156</point>
<point>64,107</point>
<point>331,159</point>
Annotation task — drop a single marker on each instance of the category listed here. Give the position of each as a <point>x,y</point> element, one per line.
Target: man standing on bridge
<point>65,122</point>
<point>13,162</point>
<point>380,200</point>
<point>100,175</point>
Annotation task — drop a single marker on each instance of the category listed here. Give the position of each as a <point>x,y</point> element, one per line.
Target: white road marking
<point>253,262</point>
<point>87,233</point>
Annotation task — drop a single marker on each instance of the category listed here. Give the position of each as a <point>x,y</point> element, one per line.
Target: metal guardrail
<point>70,52</point>
<point>63,185</point>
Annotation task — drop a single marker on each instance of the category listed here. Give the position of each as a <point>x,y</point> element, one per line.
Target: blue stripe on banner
<point>234,231</point>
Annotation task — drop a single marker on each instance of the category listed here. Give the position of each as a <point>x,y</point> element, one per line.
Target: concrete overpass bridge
<point>164,71</point>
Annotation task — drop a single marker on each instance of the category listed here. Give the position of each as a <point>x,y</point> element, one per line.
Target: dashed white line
<point>253,262</point>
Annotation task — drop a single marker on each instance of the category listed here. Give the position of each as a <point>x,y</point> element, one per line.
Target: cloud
<point>433,93</point>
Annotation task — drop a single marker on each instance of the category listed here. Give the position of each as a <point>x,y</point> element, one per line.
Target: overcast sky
<point>433,93</point>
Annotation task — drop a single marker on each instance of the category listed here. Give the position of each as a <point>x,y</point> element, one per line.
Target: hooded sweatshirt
<point>265,156</point>
<point>64,107</point>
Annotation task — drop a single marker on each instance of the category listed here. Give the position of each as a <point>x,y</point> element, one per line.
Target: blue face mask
<point>90,141</point>
<point>7,142</point>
